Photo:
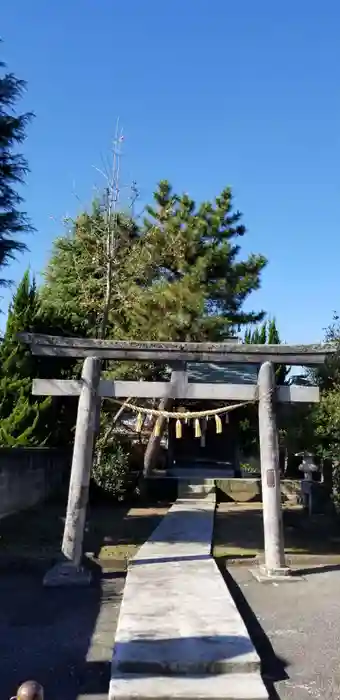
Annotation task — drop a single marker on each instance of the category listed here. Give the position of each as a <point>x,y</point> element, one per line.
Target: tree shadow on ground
<point>37,532</point>
<point>46,634</point>
<point>138,524</point>
<point>118,526</point>
<point>96,675</point>
<point>177,656</point>
<point>238,529</point>
<point>193,657</point>
<point>273,667</point>
<point>116,531</point>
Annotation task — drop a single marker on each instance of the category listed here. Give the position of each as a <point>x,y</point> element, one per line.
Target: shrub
<point>112,473</point>
<point>250,468</point>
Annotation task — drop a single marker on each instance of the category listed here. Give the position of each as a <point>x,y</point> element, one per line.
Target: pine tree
<point>13,168</point>
<point>199,283</point>
<point>179,276</point>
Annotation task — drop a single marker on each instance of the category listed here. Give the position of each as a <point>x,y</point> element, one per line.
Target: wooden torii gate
<point>90,388</point>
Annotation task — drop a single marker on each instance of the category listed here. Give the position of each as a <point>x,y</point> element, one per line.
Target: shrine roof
<point>209,372</point>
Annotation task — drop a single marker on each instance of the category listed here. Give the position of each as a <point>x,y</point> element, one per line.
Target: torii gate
<point>90,387</point>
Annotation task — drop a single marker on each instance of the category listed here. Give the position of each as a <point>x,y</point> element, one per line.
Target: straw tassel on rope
<point>139,423</point>
<point>157,428</point>
<point>218,424</point>
<point>198,432</point>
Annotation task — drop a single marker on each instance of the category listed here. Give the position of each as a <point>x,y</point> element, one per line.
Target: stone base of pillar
<point>67,574</point>
<point>281,575</point>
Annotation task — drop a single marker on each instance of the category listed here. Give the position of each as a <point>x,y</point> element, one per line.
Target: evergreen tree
<point>268,334</point>
<point>19,414</point>
<point>13,168</point>
<point>199,283</point>
<point>265,334</point>
<point>179,276</point>
<point>24,419</point>
<point>76,277</point>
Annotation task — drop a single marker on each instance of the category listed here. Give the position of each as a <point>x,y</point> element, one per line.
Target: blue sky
<point>209,94</point>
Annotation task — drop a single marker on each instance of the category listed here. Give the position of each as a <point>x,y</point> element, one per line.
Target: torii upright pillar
<point>70,571</point>
<point>274,564</point>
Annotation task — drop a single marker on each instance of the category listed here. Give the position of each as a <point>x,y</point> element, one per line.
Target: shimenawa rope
<point>184,415</point>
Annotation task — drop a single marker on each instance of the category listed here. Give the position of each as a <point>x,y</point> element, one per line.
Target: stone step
<point>219,687</point>
<point>195,488</point>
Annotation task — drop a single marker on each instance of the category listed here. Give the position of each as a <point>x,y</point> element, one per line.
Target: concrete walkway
<point>179,633</point>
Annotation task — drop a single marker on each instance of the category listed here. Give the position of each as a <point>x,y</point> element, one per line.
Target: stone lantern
<point>308,467</point>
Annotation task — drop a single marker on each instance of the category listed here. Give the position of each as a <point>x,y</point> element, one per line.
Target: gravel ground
<point>62,638</point>
<point>296,629</point>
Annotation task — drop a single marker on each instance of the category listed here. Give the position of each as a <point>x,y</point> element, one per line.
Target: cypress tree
<point>13,168</point>
<point>20,415</point>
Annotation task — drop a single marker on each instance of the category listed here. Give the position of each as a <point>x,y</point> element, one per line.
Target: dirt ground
<point>112,533</point>
<point>239,532</point>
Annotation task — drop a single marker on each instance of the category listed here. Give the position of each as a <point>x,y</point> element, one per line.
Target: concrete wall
<point>29,475</point>
<point>243,490</point>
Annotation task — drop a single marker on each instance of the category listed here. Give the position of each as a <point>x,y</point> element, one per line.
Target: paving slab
<point>221,687</point>
<point>187,529</point>
<point>178,617</point>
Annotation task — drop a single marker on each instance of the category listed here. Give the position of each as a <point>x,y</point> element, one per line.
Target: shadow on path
<point>185,656</point>
<point>308,571</point>
<point>273,668</point>
<point>165,560</point>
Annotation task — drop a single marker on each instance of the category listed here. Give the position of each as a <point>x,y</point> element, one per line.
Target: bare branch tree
<point>112,193</point>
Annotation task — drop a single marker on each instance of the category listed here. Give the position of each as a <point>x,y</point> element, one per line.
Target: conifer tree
<point>13,168</point>
<point>25,419</point>
<point>268,334</point>
<point>265,334</point>
<point>75,278</point>
<point>178,276</point>
<point>199,282</point>
<point>20,415</point>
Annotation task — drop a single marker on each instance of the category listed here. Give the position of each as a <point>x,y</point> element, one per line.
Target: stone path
<point>179,633</point>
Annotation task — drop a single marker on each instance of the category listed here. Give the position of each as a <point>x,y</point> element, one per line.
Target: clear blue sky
<point>210,93</point>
